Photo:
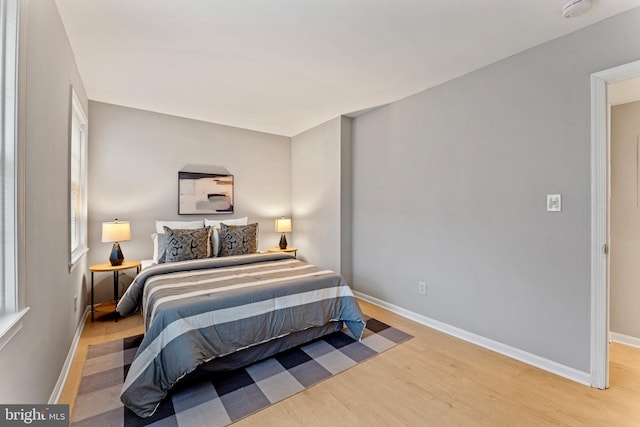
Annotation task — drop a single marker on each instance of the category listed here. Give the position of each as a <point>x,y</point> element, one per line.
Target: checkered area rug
<point>221,399</point>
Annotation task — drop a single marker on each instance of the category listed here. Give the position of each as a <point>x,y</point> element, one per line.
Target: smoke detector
<point>576,8</point>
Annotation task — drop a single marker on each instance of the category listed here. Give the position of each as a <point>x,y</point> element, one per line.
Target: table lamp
<point>116,231</point>
<point>283,225</point>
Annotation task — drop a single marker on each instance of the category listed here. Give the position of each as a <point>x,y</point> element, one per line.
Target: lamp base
<point>116,257</point>
<point>283,242</point>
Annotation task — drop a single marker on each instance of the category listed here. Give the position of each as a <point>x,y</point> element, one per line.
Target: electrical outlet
<point>75,303</point>
<point>422,287</point>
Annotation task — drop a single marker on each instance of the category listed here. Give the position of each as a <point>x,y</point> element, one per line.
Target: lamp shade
<point>116,231</point>
<point>283,225</point>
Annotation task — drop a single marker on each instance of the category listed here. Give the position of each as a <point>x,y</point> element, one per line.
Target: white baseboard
<point>515,353</point>
<point>57,390</point>
<point>624,339</point>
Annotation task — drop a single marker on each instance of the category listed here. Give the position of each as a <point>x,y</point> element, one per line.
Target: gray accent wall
<point>625,220</point>
<point>33,359</point>
<point>134,159</point>
<point>450,185</point>
<point>346,198</point>
<point>321,195</point>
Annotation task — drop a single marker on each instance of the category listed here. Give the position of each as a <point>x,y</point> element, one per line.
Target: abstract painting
<point>204,193</point>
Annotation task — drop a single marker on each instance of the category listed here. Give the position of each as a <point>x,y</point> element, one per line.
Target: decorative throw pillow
<point>184,245</point>
<point>238,239</point>
<point>215,235</point>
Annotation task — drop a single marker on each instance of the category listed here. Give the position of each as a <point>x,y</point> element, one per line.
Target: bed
<point>222,313</point>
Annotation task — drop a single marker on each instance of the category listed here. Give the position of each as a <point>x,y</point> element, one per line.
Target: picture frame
<point>204,193</point>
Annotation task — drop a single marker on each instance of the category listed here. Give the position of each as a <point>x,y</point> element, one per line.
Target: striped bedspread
<point>195,311</point>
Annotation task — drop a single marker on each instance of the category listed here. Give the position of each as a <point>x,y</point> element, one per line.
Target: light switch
<point>554,202</point>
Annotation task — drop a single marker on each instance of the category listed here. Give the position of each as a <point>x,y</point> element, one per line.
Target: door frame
<point>600,192</point>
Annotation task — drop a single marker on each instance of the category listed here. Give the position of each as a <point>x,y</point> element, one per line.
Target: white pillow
<point>234,221</point>
<point>178,225</point>
<point>154,237</point>
<point>215,224</point>
<point>159,247</point>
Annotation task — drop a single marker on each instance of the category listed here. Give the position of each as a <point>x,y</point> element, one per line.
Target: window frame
<point>12,90</point>
<point>8,149</point>
<point>78,150</point>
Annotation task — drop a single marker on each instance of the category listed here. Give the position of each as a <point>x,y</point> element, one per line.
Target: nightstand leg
<point>92,296</point>
<point>115,292</point>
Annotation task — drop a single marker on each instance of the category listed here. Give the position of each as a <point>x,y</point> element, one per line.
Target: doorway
<point>600,191</point>
<point>624,212</point>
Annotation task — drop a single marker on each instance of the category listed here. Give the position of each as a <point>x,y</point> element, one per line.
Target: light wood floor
<point>431,380</point>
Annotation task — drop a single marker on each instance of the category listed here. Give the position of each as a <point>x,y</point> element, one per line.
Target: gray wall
<point>134,159</point>
<point>346,198</point>
<point>625,220</point>
<point>31,362</point>
<point>321,195</point>
<point>450,187</point>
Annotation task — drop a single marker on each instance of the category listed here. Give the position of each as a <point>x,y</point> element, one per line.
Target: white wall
<point>32,361</point>
<point>625,220</point>
<point>134,159</point>
<point>450,188</point>
<point>321,195</point>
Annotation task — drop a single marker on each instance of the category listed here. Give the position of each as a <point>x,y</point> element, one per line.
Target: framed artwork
<point>204,193</point>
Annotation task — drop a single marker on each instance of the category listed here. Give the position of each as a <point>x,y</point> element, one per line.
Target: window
<point>11,313</point>
<point>8,118</point>
<point>78,181</point>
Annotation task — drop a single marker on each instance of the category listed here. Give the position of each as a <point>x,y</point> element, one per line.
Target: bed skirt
<point>258,352</point>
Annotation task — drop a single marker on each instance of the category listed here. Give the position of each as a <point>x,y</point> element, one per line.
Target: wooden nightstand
<point>116,269</point>
<point>289,249</point>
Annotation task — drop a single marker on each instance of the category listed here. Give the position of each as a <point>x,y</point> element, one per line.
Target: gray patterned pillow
<point>183,245</point>
<point>238,239</point>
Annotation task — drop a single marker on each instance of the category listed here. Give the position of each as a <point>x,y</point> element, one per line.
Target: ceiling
<point>284,66</point>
